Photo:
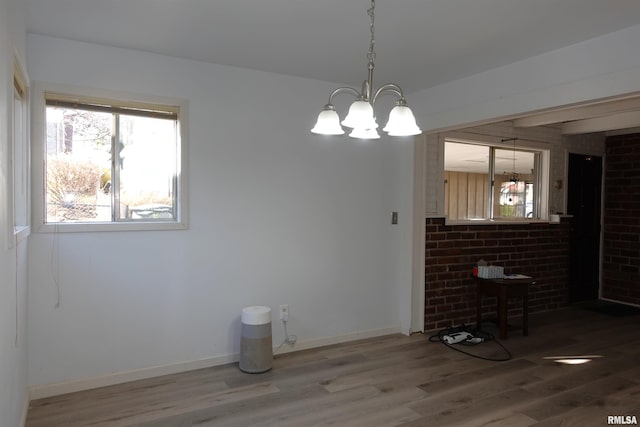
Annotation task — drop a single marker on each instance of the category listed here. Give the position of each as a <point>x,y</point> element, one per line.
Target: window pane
<point>466,180</point>
<point>148,168</point>
<point>514,184</point>
<point>78,165</point>
<point>20,161</point>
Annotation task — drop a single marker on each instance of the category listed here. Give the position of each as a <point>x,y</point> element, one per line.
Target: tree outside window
<point>107,163</point>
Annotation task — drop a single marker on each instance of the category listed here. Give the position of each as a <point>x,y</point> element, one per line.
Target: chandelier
<point>361,117</point>
<point>513,175</point>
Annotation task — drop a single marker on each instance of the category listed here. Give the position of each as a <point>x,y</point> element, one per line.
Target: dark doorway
<point>584,192</point>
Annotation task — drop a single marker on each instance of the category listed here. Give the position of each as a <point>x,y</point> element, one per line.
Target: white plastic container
<point>256,346</point>
<point>490,272</point>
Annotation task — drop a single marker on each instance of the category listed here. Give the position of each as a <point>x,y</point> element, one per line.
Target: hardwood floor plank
<point>594,413</point>
<point>510,420</point>
<point>183,405</point>
<point>480,410</point>
<point>148,395</point>
<point>393,380</point>
<point>581,397</point>
<point>390,417</point>
<point>489,372</point>
<point>270,407</point>
<point>303,373</point>
<point>311,413</point>
<point>370,408</point>
<point>384,376</point>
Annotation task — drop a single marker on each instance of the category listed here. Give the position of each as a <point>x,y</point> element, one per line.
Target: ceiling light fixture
<point>513,177</point>
<point>361,117</point>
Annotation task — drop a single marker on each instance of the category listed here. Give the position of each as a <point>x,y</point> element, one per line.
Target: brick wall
<point>621,252</point>
<point>539,250</point>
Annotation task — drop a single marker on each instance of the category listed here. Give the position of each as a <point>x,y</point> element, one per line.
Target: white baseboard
<point>620,302</point>
<point>54,389</point>
<point>25,410</point>
<point>321,342</point>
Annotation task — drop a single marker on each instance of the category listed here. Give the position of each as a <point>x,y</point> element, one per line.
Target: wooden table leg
<point>525,315</point>
<point>478,308</point>
<point>502,290</point>
<point>502,315</point>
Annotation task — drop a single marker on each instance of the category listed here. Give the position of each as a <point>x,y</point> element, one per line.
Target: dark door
<point>584,203</point>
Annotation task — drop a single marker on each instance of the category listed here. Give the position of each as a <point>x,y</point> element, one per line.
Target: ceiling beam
<point>628,119</point>
<point>578,113</point>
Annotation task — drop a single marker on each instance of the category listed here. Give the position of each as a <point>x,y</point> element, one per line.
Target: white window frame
<point>523,145</point>
<point>40,89</point>
<point>18,180</point>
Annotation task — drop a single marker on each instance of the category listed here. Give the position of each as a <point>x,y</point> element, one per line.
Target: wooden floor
<point>391,381</point>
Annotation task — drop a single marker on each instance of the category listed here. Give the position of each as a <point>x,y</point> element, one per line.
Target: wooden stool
<point>504,289</point>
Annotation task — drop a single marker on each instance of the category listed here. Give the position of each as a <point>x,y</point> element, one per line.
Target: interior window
<point>491,182</point>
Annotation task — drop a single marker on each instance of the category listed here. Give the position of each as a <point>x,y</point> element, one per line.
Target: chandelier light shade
<point>401,122</point>
<point>361,117</point>
<point>328,122</point>
<point>362,133</point>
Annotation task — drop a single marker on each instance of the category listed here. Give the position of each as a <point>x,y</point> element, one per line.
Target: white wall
<point>278,215</point>
<point>13,276</point>
<point>598,68</point>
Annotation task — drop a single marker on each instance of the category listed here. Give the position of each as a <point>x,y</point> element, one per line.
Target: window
<point>484,181</point>
<point>19,148</point>
<point>111,163</point>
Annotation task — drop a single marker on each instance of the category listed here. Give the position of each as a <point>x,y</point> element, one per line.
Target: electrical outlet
<point>394,218</point>
<point>284,312</point>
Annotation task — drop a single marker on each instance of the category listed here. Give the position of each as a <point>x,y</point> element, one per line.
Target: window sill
<point>124,226</point>
<point>497,221</point>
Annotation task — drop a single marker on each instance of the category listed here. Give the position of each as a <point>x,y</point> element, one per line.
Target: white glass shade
<point>328,123</point>
<point>362,133</point>
<point>360,116</point>
<point>402,122</point>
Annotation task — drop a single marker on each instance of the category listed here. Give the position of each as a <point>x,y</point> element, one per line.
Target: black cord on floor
<point>476,333</point>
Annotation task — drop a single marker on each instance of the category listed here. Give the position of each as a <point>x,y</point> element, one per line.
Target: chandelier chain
<point>371,55</point>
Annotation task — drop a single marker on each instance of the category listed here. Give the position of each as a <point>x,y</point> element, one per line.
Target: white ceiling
<point>419,43</point>
<point>475,159</point>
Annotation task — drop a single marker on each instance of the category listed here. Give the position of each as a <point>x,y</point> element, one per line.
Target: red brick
<point>538,249</point>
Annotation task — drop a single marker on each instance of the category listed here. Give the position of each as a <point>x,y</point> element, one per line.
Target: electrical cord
<point>289,339</point>
<point>475,333</point>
